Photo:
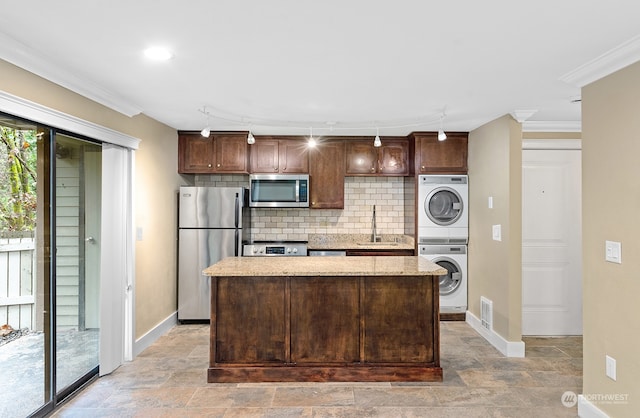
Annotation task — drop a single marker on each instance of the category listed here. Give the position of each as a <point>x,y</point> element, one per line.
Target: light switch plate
<point>497,232</point>
<point>490,202</point>
<point>139,233</point>
<point>610,367</point>
<point>613,252</point>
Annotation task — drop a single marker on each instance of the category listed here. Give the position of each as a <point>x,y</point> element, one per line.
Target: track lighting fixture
<point>376,141</point>
<point>441,135</point>
<point>329,126</point>
<point>312,140</point>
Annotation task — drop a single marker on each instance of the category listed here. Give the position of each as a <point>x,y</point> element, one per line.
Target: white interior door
<point>551,242</point>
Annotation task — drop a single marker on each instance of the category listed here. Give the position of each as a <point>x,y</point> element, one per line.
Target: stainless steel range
<point>275,249</point>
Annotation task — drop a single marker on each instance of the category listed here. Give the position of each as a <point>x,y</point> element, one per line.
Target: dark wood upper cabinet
<point>434,157</point>
<point>294,155</point>
<point>231,152</point>
<point>394,157</point>
<point>279,155</point>
<point>221,152</point>
<point>326,175</point>
<point>391,159</point>
<point>195,153</point>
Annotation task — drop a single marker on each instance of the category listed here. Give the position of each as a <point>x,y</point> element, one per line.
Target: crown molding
<point>611,61</point>
<point>552,126</point>
<point>37,62</point>
<point>23,108</point>
<point>552,144</point>
<point>521,115</point>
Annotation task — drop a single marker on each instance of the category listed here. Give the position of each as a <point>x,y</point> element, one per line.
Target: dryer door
<point>450,282</point>
<point>443,206</point>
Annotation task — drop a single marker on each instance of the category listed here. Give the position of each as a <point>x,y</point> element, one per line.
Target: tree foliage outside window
<point>18,159</point>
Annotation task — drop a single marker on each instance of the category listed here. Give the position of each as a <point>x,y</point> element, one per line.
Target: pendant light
<point>376,142</point>
<point>312,140</point>
<point>207,130</point>
<point>441,135</point>
<point>251,139</point>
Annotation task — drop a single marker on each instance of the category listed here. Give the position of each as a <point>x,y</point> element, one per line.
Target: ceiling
<point>334,67</point>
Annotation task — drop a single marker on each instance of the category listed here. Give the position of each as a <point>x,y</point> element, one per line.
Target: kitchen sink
<point>385,243</point>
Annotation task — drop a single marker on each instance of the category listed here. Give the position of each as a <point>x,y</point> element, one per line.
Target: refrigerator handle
<point>237,211</point>
<point>237,221</point>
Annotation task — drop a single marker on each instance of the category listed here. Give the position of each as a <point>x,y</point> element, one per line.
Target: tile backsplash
<point>360,194</point>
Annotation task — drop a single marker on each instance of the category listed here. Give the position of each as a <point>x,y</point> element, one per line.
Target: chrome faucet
<point>374,232</point>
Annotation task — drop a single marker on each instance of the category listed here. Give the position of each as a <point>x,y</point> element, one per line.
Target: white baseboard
<point>508,348</point>
<point>156,332</point>
<point>588,410</point>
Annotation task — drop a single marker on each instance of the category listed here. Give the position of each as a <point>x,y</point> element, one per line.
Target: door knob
<point>92,240</point>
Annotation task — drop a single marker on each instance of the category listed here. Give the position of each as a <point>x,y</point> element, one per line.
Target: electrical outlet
<point>610,367</point>
<point>139,233</point>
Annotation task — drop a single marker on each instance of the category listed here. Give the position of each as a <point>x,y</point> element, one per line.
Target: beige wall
<point>611,206</point>
<point>495,169</point>
<point>156,184</point>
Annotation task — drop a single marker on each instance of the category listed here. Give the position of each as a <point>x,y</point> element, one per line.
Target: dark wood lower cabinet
<point>325,312</point>
<point>379,252</point>
<point>250,320</point>
<point>344,328</point>
<point>398,321</point>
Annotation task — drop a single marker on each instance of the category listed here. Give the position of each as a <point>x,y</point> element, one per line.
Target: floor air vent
<point>486,313</point>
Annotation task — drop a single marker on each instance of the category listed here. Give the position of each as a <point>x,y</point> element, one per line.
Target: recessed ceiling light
<point>158,53</point>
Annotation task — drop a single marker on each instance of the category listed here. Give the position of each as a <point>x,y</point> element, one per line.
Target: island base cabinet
<point>396,312</point>
<point>325,321</point>
<point>324,329</point>
<point>250,320</point>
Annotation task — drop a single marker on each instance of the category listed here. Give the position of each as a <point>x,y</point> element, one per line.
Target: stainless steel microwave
<point>279,190</point>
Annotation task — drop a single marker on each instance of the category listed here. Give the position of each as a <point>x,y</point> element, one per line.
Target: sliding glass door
<point>77,266</point>
<point>50,236</point>
<point>24,268</point>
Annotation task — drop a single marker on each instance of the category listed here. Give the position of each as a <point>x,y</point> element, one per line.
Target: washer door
<point>443,206</point>
<point>450,282</point>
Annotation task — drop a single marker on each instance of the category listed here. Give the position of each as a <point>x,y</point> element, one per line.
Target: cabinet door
<point>362,157</point>
<point>394,157</point>
<point>293,156</point>
<point>242,333</point>
<point>230,153</point>
<point>265,156</point>
<point>390,304</point>
<point>326,172</point>
<point>449,156</point>
<point>195,153</point>
<point>324,320</point>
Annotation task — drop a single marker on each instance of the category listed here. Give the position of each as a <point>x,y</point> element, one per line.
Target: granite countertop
<point>325,266</point>
<point>359,242</point>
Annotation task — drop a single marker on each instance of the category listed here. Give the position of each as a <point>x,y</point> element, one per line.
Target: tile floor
<point>169,380</point>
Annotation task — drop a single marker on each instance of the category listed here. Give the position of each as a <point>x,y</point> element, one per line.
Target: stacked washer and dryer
<point>443,234</point>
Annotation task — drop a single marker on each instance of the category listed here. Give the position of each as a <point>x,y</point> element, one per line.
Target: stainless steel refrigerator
<point>212,224</point>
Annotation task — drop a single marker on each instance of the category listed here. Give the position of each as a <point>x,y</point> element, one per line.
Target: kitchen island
<point>322,319</point>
